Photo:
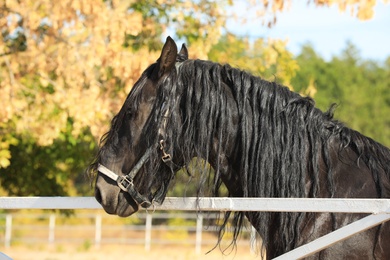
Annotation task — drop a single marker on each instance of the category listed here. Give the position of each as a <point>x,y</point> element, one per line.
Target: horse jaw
<point>113,200</point>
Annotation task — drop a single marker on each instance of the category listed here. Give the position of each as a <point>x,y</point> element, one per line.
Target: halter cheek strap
<point>126,182</point>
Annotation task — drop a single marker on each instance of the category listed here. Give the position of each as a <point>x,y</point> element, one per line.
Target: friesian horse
<point>260,138</point>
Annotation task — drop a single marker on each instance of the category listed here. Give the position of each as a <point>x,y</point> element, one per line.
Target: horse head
<point>134,165</point>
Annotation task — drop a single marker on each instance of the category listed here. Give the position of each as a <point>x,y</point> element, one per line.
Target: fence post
<point>98,230</point>
<point>8,231</point>
<point>52,225</point>
<point>198,239</point>
<point>148,231</point>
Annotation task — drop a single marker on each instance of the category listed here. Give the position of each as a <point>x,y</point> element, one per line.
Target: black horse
<point>261,139</point>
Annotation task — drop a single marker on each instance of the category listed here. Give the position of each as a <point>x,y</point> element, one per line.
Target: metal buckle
<point>162,144</point>
<point>166,157</point>
<point>124,182</point>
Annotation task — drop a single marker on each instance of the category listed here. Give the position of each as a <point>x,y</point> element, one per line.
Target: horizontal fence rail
<point>374,206</point>
<point>379,209</point>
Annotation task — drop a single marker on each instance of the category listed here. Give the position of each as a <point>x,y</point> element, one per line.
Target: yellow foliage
<point>5,141</point>
<point>311,90</point>
<point>81,37</point>
<point>362,9</point>
<point>267,9</point>
<point>261,57</point>
<point>72,65</point>
<point>65,60</point>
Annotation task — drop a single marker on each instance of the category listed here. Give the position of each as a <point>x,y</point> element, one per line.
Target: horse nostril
<point>98,195</point>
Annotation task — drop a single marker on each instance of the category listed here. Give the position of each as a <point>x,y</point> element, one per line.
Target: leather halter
<point>125,182</point>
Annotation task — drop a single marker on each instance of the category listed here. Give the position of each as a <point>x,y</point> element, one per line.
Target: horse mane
<point>277,129</point>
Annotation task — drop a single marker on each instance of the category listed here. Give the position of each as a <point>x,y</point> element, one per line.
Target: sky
<point>325,28</point>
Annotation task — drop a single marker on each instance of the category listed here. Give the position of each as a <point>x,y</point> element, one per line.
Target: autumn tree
<point>267,58</point>
<point>267,11</point>
<point>66,67</point>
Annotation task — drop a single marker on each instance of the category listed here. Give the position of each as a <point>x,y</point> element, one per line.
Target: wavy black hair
<point>280,145</point>
<point>280,142</point>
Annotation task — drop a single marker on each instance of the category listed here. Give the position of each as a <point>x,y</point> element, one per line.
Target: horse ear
<point>168,57</point>
<point>184,52</point>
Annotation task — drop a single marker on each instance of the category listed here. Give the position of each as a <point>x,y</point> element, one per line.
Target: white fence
<point>98,228</point>
<point>379,209</point>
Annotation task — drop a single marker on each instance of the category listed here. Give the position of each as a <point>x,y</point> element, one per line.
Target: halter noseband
<point>125,182</point>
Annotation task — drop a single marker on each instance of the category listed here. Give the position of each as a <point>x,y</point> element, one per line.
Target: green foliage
<point>199,174</point>
<point>65,70</point>
<point>265,58</point>
<point>67,67</point>
<point>54,170</point>
<point>361,88</point>
<point>87,244</point>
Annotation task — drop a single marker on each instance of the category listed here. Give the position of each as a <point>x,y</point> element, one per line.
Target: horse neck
<point>358,171</point>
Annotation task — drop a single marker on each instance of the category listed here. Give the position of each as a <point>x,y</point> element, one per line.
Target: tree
<point>267,11</point>
<point>66,66</point>
<point>80,52</point>
<point>359,87</point>
<point>265,58</point>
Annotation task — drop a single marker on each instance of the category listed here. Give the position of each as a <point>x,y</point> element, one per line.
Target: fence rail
<point>374,206</point>
<point>379,209</point>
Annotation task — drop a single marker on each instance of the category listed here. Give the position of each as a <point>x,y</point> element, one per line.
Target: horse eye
<point>129,113</point>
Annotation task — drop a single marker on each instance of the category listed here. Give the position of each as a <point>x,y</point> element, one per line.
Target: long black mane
<point>281,137</point>
<point>280,142</point>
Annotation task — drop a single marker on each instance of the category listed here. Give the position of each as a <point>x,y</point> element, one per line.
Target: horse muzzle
<point>113,200</point>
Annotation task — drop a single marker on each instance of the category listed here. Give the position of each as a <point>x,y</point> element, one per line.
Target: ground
<point>108,252</point>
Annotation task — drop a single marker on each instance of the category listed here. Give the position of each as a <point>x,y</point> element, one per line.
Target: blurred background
<point>67,66</point>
